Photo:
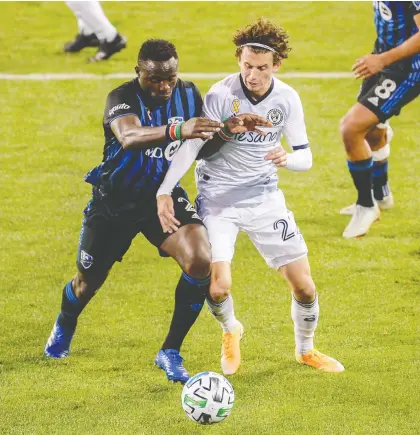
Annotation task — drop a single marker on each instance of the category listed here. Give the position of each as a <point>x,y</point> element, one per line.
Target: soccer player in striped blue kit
<point>145,122</point>
<point>391,80</point>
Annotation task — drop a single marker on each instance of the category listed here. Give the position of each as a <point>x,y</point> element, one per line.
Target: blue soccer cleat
<point>170,361</point>
<point>58,344</point>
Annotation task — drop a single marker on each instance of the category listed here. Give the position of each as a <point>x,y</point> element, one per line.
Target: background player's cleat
<point>58,344</point>
<point>361,221</point>
<point>318,360</point>
<point>231,351</point>
<point>170,361</point>
<point>107,49</point>
<point>384,204</point>
<point>80,42</point>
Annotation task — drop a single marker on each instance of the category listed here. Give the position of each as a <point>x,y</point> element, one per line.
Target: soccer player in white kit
<point>237,187</point>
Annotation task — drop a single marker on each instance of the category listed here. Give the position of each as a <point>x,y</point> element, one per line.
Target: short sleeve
<point>213,104</point>
<point>415,8</point>
<point>118,103</point>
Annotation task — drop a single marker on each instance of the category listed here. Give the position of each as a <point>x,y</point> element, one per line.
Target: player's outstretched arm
<point>237,124</point>
<point>182,161</point>
<point>132,135</point>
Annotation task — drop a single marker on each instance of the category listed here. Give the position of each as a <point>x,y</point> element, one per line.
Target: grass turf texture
<point>369,288</point>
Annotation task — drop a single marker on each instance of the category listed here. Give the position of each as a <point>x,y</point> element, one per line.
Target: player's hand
<point>278,156</point>
<point>202,128</point>
<point>166,213</point>
<point>247,122</point>
<point>368,66</point>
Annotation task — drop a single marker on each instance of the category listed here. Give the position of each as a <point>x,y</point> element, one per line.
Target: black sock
<point>71,307</point>
<point>190,295</point>
<point>380,180</point>
<point>361,172</point>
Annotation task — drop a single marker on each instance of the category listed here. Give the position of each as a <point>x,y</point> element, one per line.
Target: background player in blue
<point>391,80</point>
<point>144,123</point>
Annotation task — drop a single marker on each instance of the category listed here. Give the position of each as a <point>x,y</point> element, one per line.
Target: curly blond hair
<point>264,32</point>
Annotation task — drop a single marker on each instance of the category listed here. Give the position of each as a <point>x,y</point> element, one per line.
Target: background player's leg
<point>85,36</point>
<point>354,127</point>
<point>190,248</point>
<point>305,313</point>
<point>92,14</point>
<point>379,139</point>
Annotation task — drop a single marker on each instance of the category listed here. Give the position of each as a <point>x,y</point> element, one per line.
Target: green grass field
<point>51,135</point>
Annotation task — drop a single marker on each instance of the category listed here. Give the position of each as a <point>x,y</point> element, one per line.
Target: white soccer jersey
<point>238,172</point>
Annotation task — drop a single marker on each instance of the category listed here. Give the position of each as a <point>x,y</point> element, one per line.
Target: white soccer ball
<point>207,398</point>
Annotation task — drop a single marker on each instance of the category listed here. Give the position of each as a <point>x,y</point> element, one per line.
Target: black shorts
<point>385,93</point>
<point>108,229</point>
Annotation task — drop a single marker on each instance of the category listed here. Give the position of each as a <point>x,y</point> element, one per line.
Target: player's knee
<point>349,128</point>
<point>198,264</point>
<point>305,290</point>
<point>220,289</point>
<point>86,286</point>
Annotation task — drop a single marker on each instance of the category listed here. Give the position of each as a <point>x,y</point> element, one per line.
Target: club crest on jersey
<point>86,260</point>
<point>175,119</point>
<point>118,107</point>
<point>276,116</point>
<point>417,5</point>
<point>235,106</point>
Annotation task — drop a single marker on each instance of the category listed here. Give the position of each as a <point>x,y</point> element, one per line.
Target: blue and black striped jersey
<point>138,173</point>
<point>394,22</point>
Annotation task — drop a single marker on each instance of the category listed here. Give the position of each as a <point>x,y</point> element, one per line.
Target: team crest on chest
<point>277,116</point>
<point>235,106</point>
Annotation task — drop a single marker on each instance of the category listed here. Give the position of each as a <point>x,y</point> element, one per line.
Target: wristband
<point>224,132</point>
<point>171,131</point>
<point>178,130</point>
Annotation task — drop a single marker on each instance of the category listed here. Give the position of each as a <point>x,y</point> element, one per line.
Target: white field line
<point>191,75</point>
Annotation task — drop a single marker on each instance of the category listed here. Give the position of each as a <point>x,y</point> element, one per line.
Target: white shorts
<point>270,226</point>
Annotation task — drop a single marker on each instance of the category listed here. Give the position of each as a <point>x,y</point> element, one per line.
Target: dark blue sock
<point>190,295</point>
<point>380,180</point>
<point>71,307</point>
<point>361,172</point>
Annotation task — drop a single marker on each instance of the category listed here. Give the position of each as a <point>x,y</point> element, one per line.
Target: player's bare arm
<point>371,64</point>
<point>132,135</point>
<point>237,124</point>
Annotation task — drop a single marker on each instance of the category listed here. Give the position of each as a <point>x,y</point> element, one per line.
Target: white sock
<point>84,29</point>
<point>92,15</point>
<point>305,318</point>
<point>224,313</point>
